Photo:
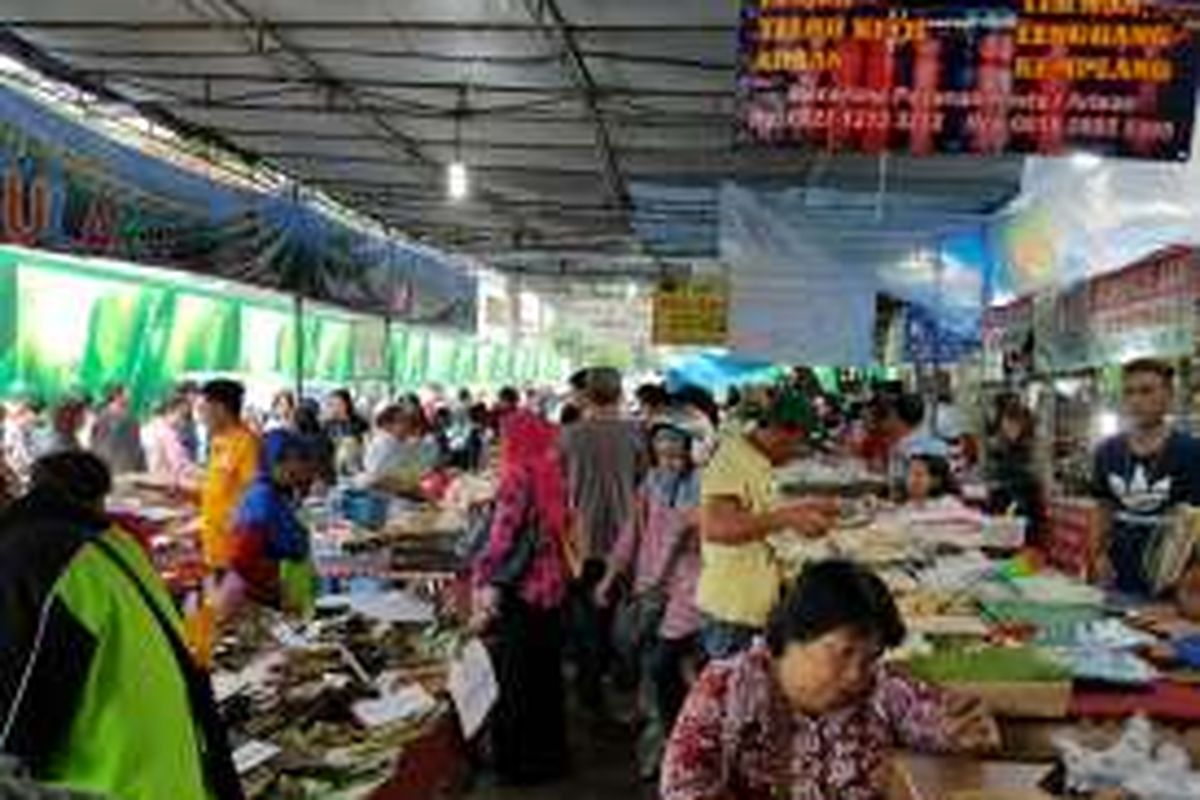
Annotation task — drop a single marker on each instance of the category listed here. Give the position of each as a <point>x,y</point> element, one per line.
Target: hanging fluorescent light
<point>458,182</point>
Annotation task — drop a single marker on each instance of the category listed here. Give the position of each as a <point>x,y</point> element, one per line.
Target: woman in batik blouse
<point>811,713</point>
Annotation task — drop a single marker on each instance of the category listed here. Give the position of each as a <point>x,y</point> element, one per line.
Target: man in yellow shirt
<point>739,579</point>
<point>232,464</point>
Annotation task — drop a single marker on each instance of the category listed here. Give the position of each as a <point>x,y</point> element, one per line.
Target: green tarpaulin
<point>78,324</point>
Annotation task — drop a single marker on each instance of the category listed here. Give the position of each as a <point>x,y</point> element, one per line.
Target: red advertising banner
<point>1114,77</point>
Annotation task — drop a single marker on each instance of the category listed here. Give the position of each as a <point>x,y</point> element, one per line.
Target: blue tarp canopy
<point>717,371</point>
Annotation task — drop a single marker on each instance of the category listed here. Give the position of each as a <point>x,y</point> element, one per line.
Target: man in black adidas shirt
<point>1141,474</point>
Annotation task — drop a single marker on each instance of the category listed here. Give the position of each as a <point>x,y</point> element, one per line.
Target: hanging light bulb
<point>458,182</point>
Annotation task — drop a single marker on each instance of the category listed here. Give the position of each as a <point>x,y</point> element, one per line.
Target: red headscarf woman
<point>524,554</point>
<point>521,577</point>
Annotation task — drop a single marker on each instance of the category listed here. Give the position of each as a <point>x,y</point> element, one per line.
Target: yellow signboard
<point>694,313</point>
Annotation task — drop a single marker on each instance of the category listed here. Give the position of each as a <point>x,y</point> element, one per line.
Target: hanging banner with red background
<point>1114,77</point>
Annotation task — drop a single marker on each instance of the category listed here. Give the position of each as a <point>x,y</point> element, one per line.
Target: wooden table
<point>934,778</point>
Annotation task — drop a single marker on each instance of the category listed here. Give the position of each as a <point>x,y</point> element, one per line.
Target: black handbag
<point>474,540</point>
<point>523,551</point>
<point>639,618</point>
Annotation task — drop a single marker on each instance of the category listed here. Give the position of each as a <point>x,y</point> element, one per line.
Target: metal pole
<point>939,267</point>
<point>390,355</point>
<point>298,323</point>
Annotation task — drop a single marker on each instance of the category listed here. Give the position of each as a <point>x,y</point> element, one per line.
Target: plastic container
<point>1004,533</point>
<point>365,509</point>
<point>200,626</point>
<point>1187,650</point>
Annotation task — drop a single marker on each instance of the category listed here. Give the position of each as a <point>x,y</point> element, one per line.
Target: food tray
<point>1057,625</point>
<point>1112,667</point>
<point>989,665</point>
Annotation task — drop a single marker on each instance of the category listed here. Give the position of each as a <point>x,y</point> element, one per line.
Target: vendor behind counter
<point>1013,486</point>
<point>399,453</point>
<point>270,559</point>
<point>1140,476</point>
<point>811,712</point>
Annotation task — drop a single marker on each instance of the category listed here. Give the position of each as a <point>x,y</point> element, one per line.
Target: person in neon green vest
<point>97,690</point>
<point>271,560</point>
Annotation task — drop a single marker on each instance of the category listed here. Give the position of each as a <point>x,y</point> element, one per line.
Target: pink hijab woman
<point>524,554</point>
<point>521,580</point>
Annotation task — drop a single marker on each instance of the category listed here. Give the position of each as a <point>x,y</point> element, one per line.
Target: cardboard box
<point>1021,700</point>
<point>932,778</point>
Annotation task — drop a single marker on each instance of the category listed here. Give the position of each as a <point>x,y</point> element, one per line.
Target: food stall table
<point>958,597</point>
<point>416,559</point>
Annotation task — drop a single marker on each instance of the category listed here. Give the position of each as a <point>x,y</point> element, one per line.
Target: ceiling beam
<point>717,148</point>
<point>389,54</point>
<point>54,68</point>
<point>235,18</point>
<point>642,118</point>
<point>554,26</point>
<point>537,168</point>
<point>257,32</point>
<point>486,169</point>
<point>388,83</point>
<point>381,26</point>
<point>355,51</point>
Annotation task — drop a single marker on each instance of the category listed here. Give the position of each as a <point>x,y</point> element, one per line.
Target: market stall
<point>407,686</point>
<point>356,699</point>
<point>375,695</point>
<point>1059,352</point>
<point>1048,653</point>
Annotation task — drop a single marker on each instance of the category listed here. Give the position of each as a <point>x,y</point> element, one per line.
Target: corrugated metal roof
<point>577,117</point>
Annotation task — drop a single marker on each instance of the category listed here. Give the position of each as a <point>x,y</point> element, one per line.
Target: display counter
<point>1046,652</point>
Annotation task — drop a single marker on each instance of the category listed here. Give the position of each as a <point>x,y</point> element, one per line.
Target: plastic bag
<point>1137,764</point>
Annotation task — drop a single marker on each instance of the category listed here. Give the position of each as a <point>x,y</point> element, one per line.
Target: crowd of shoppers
<point>627,540</point>
<point>630,540</point>
<point>652,550</point>
<point>82,610</point>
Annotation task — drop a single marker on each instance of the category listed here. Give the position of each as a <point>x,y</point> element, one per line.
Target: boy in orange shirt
<point>233,457</point>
